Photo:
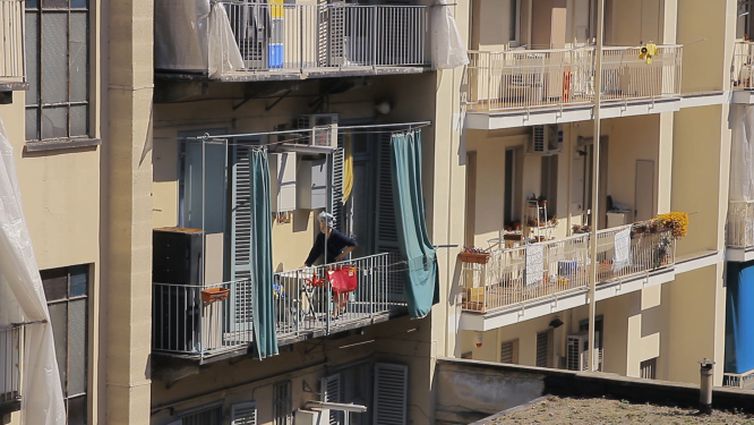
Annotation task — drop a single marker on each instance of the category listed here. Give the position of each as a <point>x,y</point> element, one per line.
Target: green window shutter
<point>240,240</point>
<point>390,405</point>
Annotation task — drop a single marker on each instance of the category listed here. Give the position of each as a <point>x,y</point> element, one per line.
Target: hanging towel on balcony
<point>622,244</point>
<point>22,299</point>
<point>224,55</point>
<point>534,264</point>
<point>261,262</point>
<point>422,288</point>
<point>448,48</point>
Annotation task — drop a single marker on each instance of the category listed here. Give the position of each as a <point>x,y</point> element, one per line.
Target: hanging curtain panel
<point>261,260</point>
<point>422,288</point>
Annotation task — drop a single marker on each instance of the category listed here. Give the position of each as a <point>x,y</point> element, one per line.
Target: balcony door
<point>644,191</point>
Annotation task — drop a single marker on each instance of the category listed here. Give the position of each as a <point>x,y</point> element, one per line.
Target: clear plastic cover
<point>22,300</point>
<point>742,153</point>
<point>448,48</point>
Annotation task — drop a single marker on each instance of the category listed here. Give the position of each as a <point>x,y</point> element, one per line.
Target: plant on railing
<point>474,255</point>
<point>675,222</point>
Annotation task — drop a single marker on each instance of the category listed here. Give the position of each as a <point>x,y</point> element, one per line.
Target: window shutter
<point>241,293</point>
<point>390,394</point>
<point>244,413</point>
<point>211,416</point>
<point>543,348</point>
<point>331,390</point>
<point>509,351</point>
<point>335,189</point>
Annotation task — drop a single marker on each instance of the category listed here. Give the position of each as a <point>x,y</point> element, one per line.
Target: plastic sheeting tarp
<point>448,48</point>
<point>194,36</point>
<point>739,323</point>
<point>22,300</point>
<point>742,153</point>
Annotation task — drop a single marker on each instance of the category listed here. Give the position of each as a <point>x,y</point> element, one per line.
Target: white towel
<point>622,244</point>
<point>534,264</point>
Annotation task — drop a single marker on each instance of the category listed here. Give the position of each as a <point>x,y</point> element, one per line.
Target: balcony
<point>203,322</point>
<point>12,71</point>
<point>555,275</point>
<point>740,231</point>
<point>249,41</point>
<point>557,85</point>
<point>11,339</point>
<point>741,72</point>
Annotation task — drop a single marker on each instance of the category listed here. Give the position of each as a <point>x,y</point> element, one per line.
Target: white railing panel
<point>740,231</point>
<point>12,41</point>
<point>11,339</point>
<point>743,58</point>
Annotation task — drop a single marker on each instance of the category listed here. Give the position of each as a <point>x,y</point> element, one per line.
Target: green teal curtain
<point>261,260</point>
<point>423,286</point>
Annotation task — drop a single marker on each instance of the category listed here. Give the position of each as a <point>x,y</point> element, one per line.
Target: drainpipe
<point>595,180</point>
<point>705,386</point>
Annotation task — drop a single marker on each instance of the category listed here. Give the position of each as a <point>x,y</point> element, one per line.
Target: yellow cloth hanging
<point>347,168</point>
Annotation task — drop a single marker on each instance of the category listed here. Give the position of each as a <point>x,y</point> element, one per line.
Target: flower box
<point>474,257</point>
<point>210,295</point>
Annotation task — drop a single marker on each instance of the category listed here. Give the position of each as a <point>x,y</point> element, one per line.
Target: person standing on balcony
<point>338,245</point>
<point>337,249</point>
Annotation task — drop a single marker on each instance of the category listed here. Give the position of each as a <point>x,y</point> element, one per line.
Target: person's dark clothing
<point>335,244</point>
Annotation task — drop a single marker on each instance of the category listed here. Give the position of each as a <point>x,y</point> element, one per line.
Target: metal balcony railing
<point>743,59</point>
<point>530,79</point>
<point>740,224</point>
<point>12,41</point>
<point>516,276</point>
<point>205,321</point>
<point>11,343</point>
<point>739,380</point>
<point>310,38</point>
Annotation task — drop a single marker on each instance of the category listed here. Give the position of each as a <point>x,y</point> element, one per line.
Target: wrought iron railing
<point>520,275</point>
<point>743,59</point>
<point>11,344</point>
<point>12,41</point>
<point>528,79</point>
<point>301,37</point>
<point>207,320</point>
<point>740,231</point>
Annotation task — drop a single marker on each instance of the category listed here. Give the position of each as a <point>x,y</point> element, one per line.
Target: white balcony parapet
<point>12,68</point>
<point>248,40</point>
<point>739,380</point>
<point>204,321</point>
<point>514,80</point>
<point>740,232</point>
<point>518,276</point>
<point>11,351</point>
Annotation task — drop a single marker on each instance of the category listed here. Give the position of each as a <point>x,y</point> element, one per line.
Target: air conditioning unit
<point>312,417</point>
<point>577,352</point>
<point>545,140</point>
<point>322,129</point>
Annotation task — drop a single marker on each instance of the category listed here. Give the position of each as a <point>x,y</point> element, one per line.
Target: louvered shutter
<point>390,394</point>
<point>335,188</point>
<point>244,413</point>
<point>509,352</point>
<point>386,230</point>
<point>331,390</point>
<point>543,349</point>
<point>240,246</point>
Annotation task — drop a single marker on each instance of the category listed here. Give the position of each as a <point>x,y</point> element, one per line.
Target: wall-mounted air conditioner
<point>577,351</point>
<point>322,129</point>
<point>545,140</point>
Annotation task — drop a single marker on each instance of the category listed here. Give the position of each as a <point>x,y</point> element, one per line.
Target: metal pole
<point>705,386</point>
<point>595,180</point>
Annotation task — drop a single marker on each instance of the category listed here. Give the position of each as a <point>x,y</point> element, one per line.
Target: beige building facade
<point>137,190</point>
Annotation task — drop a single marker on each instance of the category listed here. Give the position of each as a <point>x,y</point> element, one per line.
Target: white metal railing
<point>739,380</point>
<point>526,79</point>
<point>12,41</point>
<point>515,276</point>
<point>740,231</point>
<point>310,37</point>
<point>305,302</point>
<point>11,340</point>
<point>743,59</point>
<point>206,320</point>
<point>202,320</point>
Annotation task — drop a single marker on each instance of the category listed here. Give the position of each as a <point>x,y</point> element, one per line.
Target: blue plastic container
<point>739,320</point>
<point>275,55</point>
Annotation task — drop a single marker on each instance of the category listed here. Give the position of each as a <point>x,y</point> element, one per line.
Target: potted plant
<point>474,256</point>
<point>211,295</point>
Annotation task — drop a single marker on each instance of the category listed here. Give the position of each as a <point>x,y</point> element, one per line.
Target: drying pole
<point>595,181</point>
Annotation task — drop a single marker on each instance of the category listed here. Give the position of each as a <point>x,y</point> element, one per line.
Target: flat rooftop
<point>566,410</point>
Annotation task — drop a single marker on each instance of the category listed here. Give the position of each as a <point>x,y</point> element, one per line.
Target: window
<point>544,348</point>
<point>282,405</point>
<point>648,368</point>
<point>509,351</point>
<point>550,183</point>
<point>67,292</point>
<point>57,58</point>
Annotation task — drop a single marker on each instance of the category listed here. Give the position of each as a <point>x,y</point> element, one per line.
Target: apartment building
<point>664,141</point>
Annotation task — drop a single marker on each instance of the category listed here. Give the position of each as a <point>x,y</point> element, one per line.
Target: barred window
<point>57,57</point>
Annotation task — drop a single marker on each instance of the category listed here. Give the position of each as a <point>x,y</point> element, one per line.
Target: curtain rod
<point>407,125</point>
